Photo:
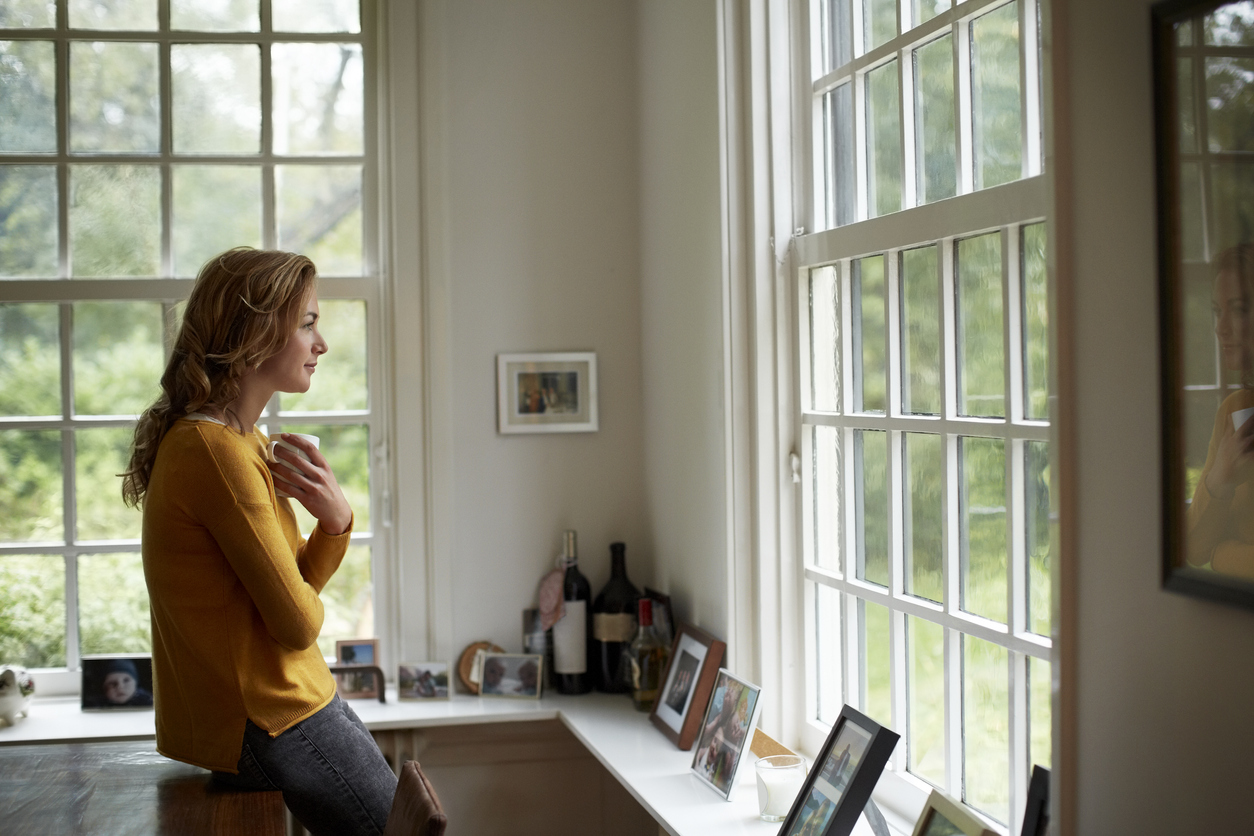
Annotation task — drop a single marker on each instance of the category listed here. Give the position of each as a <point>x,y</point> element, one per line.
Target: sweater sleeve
<point>1208,515</point>
<point>242,518</point>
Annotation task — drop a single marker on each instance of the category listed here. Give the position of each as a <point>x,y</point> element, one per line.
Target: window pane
<point>1232,202</point>
<point>1040,744</point>
<point>920,333</point>
<point>824,340</point>
<point>924,515</point>
<point>1233,25</point>
<point>316,15</point>
<point>883,140</point>
<point>981,368</point>
<point>880,20</point>
<point>997,135</point>
<point>118,357</point>
<point>925,10</point>
<point>837,27</point>
<point>838,156</point>
<point>214,15</point>
<point>319,209</point>
<point>28,78</point>
<point>871,475</point>
<point>114,104</point>
<point>1036,498</point>
<point>28,231</point>
<point>317,98</point>
<point>113,604</point>
<point>216,92</point>
<point>874,644</point>
<point>347,449</point>
<point>926,648</point>
<point>348,601</point>
<point>1188,116</point>
<point>115,220</point>
<point>985,727</point>
<point>31,508</point>
<point>22,14</point>
<point>829,652</point>
<point>1191,211</point>
<point>984,543</point>
<point>99,456</point>
<point>216,207</point>
<point>1229,103</point>
<point>871,369</point>
<point>32,610</point>
<point>1035,325</point>
<point>340,380</point>
<point>937,143</point>
<point>825,493</point>
<point>30,360</point>
<point>113,14</point>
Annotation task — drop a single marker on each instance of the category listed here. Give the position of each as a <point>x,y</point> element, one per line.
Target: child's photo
<point>117,682</point>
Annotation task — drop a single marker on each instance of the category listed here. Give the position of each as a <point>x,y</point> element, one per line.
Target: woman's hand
<point>312,483</point>
<point>1235,454</point>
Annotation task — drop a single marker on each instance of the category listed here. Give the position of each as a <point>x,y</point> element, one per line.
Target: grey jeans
<point>332,775</point>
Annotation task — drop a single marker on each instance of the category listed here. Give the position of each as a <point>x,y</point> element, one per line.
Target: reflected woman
<point>1221,516</point>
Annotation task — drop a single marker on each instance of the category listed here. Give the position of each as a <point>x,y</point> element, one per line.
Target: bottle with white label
<point>571,635</point>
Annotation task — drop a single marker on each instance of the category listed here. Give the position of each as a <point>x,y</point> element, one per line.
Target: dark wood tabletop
<point>123,788</point>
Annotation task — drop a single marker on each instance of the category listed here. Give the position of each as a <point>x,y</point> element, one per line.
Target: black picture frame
<point>1186,269</point>
<point>842,772</point>
<point>116,682</point>
<point>1036,811</point>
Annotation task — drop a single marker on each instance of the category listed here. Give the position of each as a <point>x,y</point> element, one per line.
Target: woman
<point>240,685</point>
<point>1221,516</point>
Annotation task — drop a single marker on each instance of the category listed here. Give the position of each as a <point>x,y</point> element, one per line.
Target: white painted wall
<point>1163,683</point>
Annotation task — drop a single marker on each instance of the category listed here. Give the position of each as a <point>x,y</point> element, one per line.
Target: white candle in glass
<point>779,780</point>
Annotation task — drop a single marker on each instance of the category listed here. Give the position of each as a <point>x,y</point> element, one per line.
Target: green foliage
<point>28,220</point>
<point>884,156</point>
<point>870,306</point>
<point>115,220</point>
<point>981,346</point>
<point>925,466</point>
<point>30,360</point>
<point>113,614</point>
<point>995,99</point>
<point>876,663</point>
<point>32,610</point>
<point>984,537</point>
<point>340,381</point>
<point>114,104</point>
<point>100,455</point>
<point>986,727</point>
<point>348,601</point>
<point>31,507</point>
<point>920,332</point>
<point>27,96</point>
<point>1040,740</point>
<point>118,357</point>
<point>934,85</point>
<point>347,449</point>
<point>871,471</point>
<point>926,660</point>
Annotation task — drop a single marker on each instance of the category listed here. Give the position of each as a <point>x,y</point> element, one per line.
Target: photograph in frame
<point>840,781</point>
<point>942,816</point>
<point>547,393</point>
<point>115,682</point>
<point>357,652</point>
<point>512,675</point>
<point>422,681</point>
<point>726,731</point>
<point>687,684</point>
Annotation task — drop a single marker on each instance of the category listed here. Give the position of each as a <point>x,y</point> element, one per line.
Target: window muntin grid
<point>110,225</point>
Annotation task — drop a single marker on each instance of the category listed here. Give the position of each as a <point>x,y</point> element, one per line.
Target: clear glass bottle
<point>613,623</point>
<point>571,636</point>
<point>645,660</point>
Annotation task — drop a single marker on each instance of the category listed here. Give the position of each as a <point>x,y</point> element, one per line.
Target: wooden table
<point>123,788</point>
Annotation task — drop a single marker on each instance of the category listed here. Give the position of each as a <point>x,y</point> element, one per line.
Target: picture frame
<point>512,676</point>
<point>1036,810</point>
<point>942,816</point>
<point>116,682</point>
<point>726,731</point>
<point>357,652</point>
<point>422,681</point>
<point>682,699</point>
<point>1205,257</point>
<point>547,392</point>
<point>840,782</point>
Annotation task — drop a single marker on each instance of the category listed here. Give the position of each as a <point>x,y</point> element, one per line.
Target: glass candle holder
<point>779,780</point>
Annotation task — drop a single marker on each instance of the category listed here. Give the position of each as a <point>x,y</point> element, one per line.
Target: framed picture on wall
<point>547,393</point>
<point>1204,132</point>
<point>686,685</point>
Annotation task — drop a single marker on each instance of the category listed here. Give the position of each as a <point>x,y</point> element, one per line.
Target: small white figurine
<point>16,688</point>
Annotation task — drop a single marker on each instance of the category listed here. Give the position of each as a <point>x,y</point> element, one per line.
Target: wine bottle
<point>647,657</point>
<point>613,623</point>
<point>571,636</point>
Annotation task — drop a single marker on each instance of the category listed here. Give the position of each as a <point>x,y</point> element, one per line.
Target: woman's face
<point>1231,307</point>
<point>292,368</point>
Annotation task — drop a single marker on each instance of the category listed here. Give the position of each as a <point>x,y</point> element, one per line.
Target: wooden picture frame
<point>1205,259</point>
<point>683,697</point>
<point>840,782</point>
<point>547,393</point>
<point>357,652</point>
<point>726,732</point>
<point>942,816</point>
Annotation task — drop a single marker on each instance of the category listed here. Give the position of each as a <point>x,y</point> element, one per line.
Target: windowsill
<point>624,741</point>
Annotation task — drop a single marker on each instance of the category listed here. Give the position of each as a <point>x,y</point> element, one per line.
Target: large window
<point>923,362</point>
<point>137,138</point>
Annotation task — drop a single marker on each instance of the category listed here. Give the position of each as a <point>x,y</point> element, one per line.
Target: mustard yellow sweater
<point>1221,530</point>
<point>234,592</point>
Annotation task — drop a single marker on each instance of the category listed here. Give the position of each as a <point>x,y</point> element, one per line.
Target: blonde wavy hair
<point>244,307</point>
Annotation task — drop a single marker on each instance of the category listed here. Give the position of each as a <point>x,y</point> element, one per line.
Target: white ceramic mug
<point>313,439</point>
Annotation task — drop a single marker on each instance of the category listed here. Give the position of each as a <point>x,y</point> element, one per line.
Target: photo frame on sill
<point>116,682</point>
<point>840,782</point>
<point>686,685</point>
<point>422,681</point>
<point>1036,810</point>
<point>942,816</point>
<point>512,675</point>
<point>357,685</point>
<point>547,393</point>
<point>726,731</point>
